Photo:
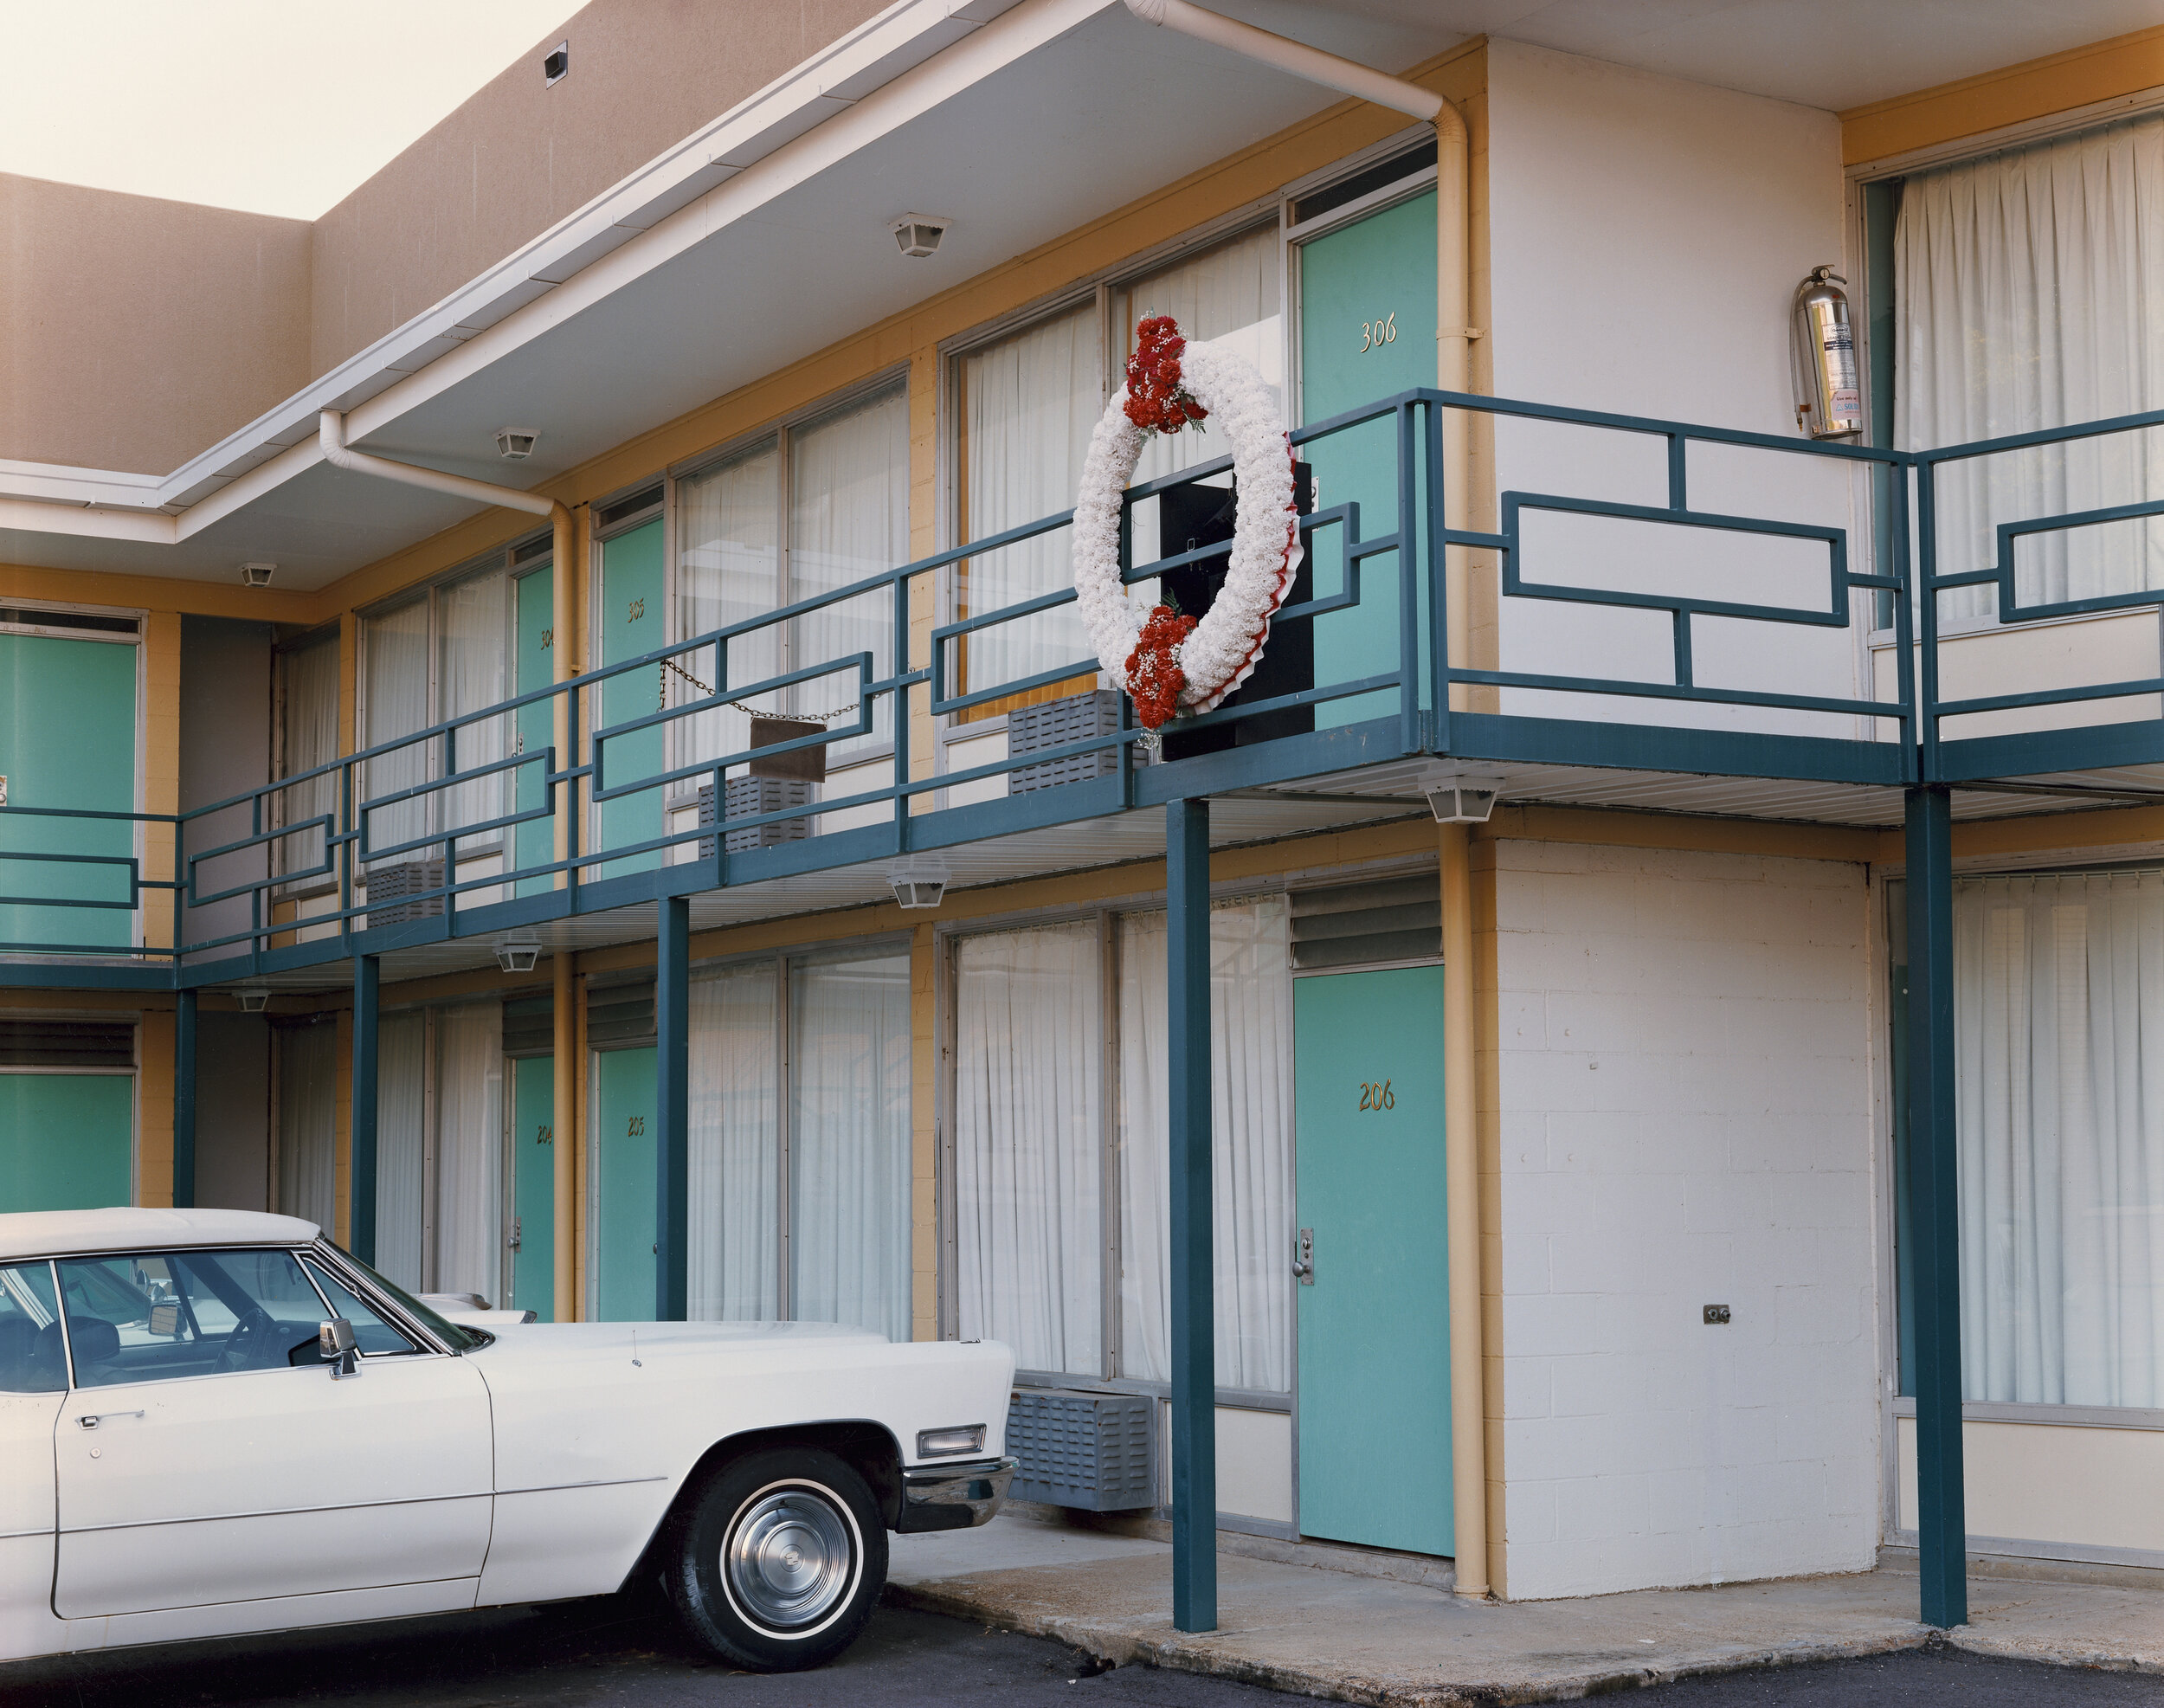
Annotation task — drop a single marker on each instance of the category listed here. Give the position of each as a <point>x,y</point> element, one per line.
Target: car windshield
<point>458,1339</point>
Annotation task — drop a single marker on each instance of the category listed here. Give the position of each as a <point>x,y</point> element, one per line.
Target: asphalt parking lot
<point>620,1652</point>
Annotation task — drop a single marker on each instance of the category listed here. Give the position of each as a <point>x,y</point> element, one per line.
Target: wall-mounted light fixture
<point>919,881</point>
<point>1457,798</point>
<point>920,235</point>
<point>518,958</point>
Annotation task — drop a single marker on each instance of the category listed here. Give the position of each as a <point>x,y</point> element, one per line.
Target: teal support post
<point>361,1228</point>
<point>672,1107</point>
<point>1934,1211</point>
<point>1194,1314</point>
<point>185,1100</point>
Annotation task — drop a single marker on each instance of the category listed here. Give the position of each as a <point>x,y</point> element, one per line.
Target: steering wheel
<point>251,1342</point>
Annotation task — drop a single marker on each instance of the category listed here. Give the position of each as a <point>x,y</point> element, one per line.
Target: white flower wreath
<point>1167,378</point>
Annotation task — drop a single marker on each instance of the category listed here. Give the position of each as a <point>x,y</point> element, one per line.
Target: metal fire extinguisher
<point>1832,404</point>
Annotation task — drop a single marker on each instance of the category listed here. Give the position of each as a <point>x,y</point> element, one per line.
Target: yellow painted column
<point>154,1111</point>
<point>161,768</point>
<point>924,540</point>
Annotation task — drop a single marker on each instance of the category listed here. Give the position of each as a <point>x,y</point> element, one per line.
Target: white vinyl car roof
<point>48,1233</point>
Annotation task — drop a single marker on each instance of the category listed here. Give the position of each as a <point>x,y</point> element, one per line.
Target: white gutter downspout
<point>331,434</point>
<point>1454,366</point>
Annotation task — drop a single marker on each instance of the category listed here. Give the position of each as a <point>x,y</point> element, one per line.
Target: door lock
<point>1304,1257</point>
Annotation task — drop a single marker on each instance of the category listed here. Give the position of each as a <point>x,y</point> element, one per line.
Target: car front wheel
<point>778,1559</point>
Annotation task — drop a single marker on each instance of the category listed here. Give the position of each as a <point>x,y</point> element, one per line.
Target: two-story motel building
<point>1805,961</point>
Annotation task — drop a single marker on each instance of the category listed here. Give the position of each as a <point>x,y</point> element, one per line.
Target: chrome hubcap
<point>790,1558</point>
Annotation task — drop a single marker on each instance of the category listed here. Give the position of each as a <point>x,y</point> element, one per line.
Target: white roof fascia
<point>889,70</point>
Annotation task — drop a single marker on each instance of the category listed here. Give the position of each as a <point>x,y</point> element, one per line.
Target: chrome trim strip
<point>341,1506</point>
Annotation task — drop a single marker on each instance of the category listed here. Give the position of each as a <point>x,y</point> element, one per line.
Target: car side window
<point>158,1316</point>
<point>31,1358</point>
<point>372,1336</point>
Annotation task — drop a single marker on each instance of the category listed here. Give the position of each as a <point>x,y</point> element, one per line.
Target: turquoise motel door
<point>533,1186</point>
<point>624,1229</point>
<point>67,741</point>
<point>67,1140</point>
<point>632,623</point>
<point>1367,331</point>
<point>534,842</point>
<point>1375,1310</point>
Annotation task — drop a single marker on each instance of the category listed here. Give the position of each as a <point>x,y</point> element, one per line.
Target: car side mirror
<point>336,1340</point>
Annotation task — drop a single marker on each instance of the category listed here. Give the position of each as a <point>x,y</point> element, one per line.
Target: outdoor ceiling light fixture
<point>252,998</point>
<point>555,65</point>
<point>515,444</point>
<point>1456,798</point>
<point>257,575</point>
<point>919,881</point>
<point>518,958</point>
<point>919,235</point>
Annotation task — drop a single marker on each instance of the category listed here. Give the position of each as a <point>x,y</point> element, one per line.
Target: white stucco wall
<point>1684,1089</point>
<point>1647,237</point>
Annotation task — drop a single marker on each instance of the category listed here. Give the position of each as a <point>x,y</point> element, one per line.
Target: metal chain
<point>807,717</point>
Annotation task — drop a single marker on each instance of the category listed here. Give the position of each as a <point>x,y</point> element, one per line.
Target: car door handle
<point>91,1420</point>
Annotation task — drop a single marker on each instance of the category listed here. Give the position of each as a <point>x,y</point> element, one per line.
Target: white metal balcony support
<point>1453,372</point>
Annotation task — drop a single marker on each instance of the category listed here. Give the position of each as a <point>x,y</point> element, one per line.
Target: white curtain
<point>401,1146</point>
<point>1028,404</point>
<point>735,1233</point>
<point>2029,289</point>
<point>1250,1098</point>
<point>475,674</point>
<point>848,519</point>
<point>1028,1146</point>
<point>395,703</point>
<point>849,1143</point>
<point>309,681</point>
<point>470,1149</point>
<point>727,571</point>
<point>1227,297</point>
<point>307,1122</point>
<point>2058,1011</point>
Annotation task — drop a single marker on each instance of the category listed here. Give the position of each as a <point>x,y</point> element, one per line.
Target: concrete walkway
<point>1349,1638</point>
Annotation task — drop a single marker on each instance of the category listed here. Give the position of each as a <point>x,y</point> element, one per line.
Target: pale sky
<point>276,107</point>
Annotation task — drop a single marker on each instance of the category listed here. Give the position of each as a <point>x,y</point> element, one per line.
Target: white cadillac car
<point>214,1422</point>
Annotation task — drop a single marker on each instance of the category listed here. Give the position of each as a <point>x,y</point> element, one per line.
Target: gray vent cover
<point>1091,1450</point>
<point>67,1043</point>
<point>529,1026</point>
<point>1348,924</point>
<point>620,1014</point>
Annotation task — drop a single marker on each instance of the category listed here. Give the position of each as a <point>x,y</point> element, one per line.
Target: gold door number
<point>1376,1094</point>
<point>636,1127</point>
<point>1374,334</point>
<point>545,1134</point>
<point>638,609</point>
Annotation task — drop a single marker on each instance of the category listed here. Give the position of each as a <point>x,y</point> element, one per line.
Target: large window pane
<point>308,714</point>
<point>1250,1098</point>
<point>2029,292</point>
<point>401,1147</point>
<point>470,1149</point>
<point>2058,1010</point>
<point>1028,405</point>
<point>728,570</point>
<point>308,1182</point>
<point>735,1231</point>
<point>157,1316</point>
<point>395,702</point>
<point>848,519</point>
<point>849,1148</point>
<point>475,619</point>
<point>1029,1145</point>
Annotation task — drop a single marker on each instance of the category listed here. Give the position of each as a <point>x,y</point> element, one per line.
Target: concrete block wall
<point>1684,1075</point>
